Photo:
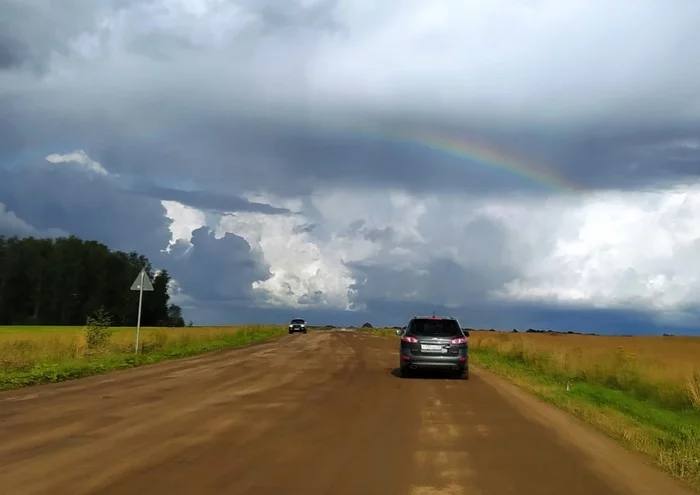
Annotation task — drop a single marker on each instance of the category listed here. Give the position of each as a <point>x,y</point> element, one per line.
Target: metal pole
<point>138,319</point>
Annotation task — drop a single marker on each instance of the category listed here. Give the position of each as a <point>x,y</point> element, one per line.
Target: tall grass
<point>28,360</point>
<point>662,379</point>
<point>694,389</point>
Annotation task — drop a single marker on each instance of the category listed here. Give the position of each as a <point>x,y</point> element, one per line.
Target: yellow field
<point>24,347</point>
<point>39,332</point>
<point>668,367</point>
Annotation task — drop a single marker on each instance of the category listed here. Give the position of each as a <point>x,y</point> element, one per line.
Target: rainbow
<point>458,146</point>
<point>476,152</point>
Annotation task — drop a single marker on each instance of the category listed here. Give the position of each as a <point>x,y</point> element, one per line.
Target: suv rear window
<point>297,321</point>
<point>435,328</point>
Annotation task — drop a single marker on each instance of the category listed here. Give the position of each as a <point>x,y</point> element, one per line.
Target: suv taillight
<point>459,340</point>
<point>409,339</point>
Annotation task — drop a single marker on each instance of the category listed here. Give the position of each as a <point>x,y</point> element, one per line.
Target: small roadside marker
<point>142,283</point>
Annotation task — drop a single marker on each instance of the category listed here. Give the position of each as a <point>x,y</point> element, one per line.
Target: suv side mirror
<point>399,332</point>
<point>466,332</point>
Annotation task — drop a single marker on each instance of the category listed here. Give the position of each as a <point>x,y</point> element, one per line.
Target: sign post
<point>142,283</point>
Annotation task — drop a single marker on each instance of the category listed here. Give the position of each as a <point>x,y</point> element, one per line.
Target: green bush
<point>98,332</point>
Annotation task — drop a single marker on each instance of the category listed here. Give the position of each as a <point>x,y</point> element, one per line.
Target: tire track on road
<point>442,461</point>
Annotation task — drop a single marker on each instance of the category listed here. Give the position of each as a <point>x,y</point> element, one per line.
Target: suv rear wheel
<point>462,375</point>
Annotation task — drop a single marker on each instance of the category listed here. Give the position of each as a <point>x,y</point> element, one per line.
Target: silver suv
<point>435,343</point>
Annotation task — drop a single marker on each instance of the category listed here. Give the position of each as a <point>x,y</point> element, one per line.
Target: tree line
<point>62,281</point>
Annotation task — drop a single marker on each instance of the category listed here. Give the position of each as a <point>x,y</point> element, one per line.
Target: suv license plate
<point>432,348</point>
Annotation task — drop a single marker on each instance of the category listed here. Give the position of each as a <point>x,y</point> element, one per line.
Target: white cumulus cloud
<point>636,250</point>
<point>80,158</point>
<point>183,221</point>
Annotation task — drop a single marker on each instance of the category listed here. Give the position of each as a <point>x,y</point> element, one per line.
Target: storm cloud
<point>338,156</point>
<point>217,271</point>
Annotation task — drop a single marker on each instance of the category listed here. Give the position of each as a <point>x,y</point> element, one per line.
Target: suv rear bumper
<point>456,363</point>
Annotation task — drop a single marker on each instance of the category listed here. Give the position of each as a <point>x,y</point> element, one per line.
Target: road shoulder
<point>627,470</point>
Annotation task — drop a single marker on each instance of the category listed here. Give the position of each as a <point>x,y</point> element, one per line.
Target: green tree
<point>175,318</point>
<point>59,281</point>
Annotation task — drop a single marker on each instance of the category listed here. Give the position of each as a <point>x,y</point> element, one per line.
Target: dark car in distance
<point>297,325</point>
<point>433,343</point>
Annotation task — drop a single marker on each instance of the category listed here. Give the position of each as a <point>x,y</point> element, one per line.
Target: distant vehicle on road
<point>297,325</point>
<point>433,343</point>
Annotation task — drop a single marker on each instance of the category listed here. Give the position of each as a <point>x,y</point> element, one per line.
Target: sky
<point>512,163</point>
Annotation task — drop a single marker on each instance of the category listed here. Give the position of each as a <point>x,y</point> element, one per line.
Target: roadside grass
<point>379,332</point>
<point>14,331</point>
<point>646,394</point>
<point>34,357</point>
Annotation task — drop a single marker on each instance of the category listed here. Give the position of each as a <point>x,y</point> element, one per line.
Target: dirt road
<point>320,413</point>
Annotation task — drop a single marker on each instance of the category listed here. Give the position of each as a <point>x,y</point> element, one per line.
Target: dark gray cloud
<point>84,205</point>
<point>207,103</point>
<point>291,162</point>
<point>37,30</point>
<point>10,55</point>
<point>207,200</point>
<point>217,271</point>
<point>435,278</point>
<point>12,225</point>
<point>283,17</point>
<point>250,120</point>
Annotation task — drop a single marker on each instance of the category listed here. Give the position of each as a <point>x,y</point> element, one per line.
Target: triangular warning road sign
<point>147,285</point>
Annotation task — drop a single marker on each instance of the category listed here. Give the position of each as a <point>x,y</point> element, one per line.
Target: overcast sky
<point>514,163</point>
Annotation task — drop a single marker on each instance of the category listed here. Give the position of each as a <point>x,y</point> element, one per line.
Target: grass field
<point>38,355</point>
<point>642,391</point>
